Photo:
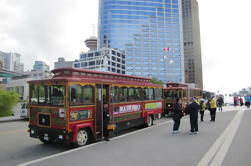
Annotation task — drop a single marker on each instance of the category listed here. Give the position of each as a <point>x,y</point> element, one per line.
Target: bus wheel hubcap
<point>82,137</point>
<point>149,121</point>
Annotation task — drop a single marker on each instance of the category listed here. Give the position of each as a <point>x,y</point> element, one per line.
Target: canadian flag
<point>166,49</point>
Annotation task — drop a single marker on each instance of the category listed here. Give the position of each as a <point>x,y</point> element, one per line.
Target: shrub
<point>7,101</point>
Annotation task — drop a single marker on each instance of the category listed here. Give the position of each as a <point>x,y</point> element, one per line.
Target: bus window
<point>123,94</point>
<point>145,94</point>
<point>115,94</point>
<point>173,94</point>
<point>57,95</point>
<point>184,93</point>
<point>158,93</point>
<point>43,97</point>
<point>34,94</point>
<point>179,93</point>
<point>151,94</point>
<point>76,95</point>
<point>131,94</point>
<point>88,94</point>
<point>138,92</point>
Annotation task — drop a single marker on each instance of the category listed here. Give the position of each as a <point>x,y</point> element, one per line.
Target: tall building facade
<point>150,33</point>
<point>41,66</point>
<point>11,62</point>
<point>192,47</point>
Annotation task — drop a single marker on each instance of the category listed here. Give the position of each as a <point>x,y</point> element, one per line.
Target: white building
<point>20,84</point>
<point>11,62</point>
<point>61,63</point>
<point>104,59</point>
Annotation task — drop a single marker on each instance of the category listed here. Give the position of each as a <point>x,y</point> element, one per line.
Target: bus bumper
<point>168,112</point>
<point>49,134</point>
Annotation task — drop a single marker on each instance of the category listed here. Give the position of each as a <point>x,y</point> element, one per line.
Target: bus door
<point>102,99</point>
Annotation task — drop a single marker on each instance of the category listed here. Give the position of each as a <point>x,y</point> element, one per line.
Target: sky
<point>48,29</point>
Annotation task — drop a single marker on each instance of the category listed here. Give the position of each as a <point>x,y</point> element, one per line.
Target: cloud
<point>44,29</point>
<point>225,35</point>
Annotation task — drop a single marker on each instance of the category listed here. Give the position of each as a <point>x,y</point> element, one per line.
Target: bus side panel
<point>152,108</point>
<point>81,117</point>
<point>80,126</point>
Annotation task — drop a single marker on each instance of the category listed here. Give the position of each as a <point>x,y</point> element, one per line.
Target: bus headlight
<point>60,137</point>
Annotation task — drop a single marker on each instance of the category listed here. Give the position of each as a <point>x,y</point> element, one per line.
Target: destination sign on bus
<point>127,108</point>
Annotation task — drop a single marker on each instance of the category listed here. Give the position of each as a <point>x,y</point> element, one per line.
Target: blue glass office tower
<point>150,32</point>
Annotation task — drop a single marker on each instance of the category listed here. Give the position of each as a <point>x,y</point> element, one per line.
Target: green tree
<point>156,81</point>
<point>7,101</point>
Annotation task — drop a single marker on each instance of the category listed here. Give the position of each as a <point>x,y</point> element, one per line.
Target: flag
<point>166,49</point>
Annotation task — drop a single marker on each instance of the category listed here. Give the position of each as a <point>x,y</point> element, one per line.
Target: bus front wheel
<point>83,137</point>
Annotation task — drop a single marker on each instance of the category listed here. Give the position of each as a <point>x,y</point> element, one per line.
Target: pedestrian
<point>247,101</point>
<point>106,120</point>
<point>202,110</point>
<point>235,101</point>
<point>220,103</point>
<point>193,109</point>
<point>213,107</point>
<point>177,115</point>
<point>241,101</point>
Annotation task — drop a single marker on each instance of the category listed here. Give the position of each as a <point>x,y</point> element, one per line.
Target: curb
<point>11,120</point>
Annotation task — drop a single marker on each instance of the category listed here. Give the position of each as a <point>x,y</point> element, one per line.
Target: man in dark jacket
<point>177,114</point>
<point>193,110</point>
<point>220,103</point>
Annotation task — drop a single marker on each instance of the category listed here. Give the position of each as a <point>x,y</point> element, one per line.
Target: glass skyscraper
<point>150,33</point>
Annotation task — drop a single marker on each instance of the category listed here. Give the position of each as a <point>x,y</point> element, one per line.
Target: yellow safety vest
<point>213,103</point>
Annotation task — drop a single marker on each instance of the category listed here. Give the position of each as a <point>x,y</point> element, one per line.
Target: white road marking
<point>87,146</point>
<point>219,149</point>
<point>219,157</point>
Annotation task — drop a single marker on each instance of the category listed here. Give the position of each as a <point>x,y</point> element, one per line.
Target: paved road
<point>157,146</point>
<point>17,147</point>
<point>240,151</point>
<point>151,146</point>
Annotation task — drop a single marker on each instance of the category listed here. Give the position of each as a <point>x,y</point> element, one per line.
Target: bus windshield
<point>47,95</point>
<point>172,94</point>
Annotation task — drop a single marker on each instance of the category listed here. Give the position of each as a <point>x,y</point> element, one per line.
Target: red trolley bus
<point>172,91</point>
<point>68,107</point>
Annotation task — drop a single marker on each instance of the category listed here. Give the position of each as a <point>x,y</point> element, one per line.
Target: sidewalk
<point>10,118</point>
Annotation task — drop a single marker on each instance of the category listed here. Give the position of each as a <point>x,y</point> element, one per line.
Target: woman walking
<point>177,115</point>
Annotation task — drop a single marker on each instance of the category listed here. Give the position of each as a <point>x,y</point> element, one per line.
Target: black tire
<point>44,141</point>
<point>83,138</point>
<point>149,121</point>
